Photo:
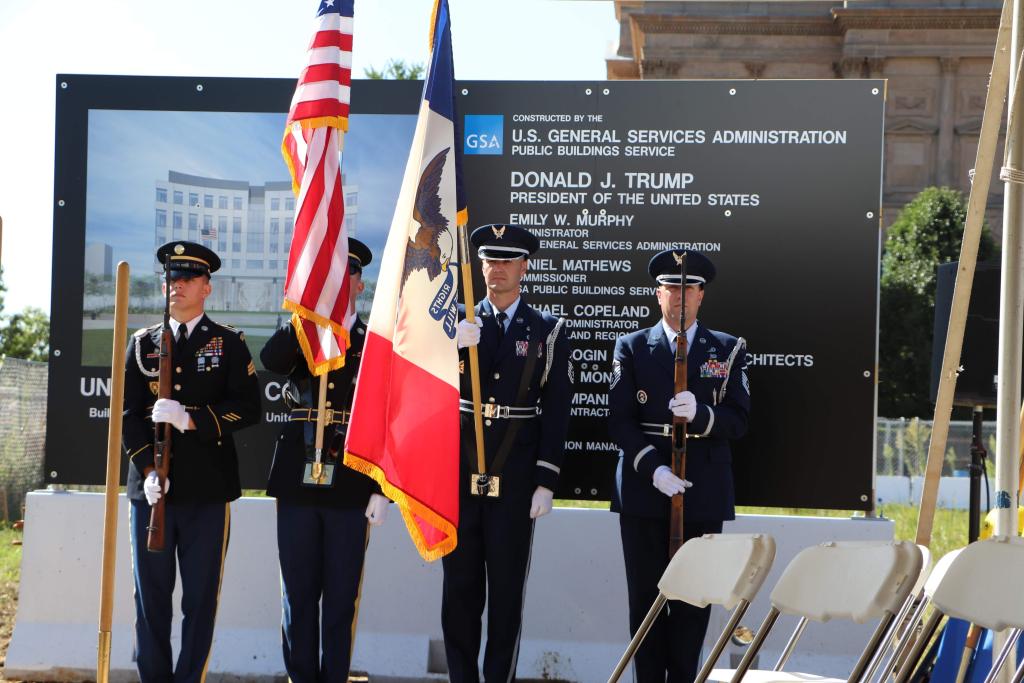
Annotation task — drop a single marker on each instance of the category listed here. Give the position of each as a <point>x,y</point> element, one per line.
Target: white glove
<point>377,509</point>
<point>541,503</point>
<point>468,333</point>
<point>151,487</point>
<point>169,410</point>
<point>684,405</point>
<point>668,483</point>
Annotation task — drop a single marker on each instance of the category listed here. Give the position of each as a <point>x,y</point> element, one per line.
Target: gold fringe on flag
<point>410,506</point>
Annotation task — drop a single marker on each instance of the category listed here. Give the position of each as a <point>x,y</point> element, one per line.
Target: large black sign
<point>778,182</point>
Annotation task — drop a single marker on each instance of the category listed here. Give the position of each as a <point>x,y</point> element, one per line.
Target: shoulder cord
<point>741,345</point>
<point>551,350</point>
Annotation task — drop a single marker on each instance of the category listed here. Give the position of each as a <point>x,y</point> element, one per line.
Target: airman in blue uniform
<point>642,404</point>
<point>322,526</point>
<point>525,382</point>
<point>215,393</point>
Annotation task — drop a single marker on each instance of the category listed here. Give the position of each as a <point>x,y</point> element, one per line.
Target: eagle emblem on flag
<point>423,252</point>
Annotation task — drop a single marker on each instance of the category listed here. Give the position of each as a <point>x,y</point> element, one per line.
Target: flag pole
<point>465,264</point>
<point>321,422</point>
<point>113,474</point>
<point>988,138</point>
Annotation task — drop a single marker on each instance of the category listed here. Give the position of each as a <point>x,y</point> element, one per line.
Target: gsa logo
<point>484,133</point>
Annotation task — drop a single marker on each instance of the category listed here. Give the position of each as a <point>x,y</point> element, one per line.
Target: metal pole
<point>1011,307</point>
<point>976,470</point>
<point>791,644</point>
<point>716,650</point>
<point>113,474</point>
<point>638,638</point>
<point>1001,657</point>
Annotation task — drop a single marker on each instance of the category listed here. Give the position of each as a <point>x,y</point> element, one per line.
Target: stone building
<point>935,54</point>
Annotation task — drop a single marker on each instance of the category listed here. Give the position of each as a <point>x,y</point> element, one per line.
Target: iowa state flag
<point>404,430</point>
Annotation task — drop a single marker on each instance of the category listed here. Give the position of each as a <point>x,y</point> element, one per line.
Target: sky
<point>492,39</point>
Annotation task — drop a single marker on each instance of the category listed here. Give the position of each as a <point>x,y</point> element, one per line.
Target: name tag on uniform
<point>715,369</point>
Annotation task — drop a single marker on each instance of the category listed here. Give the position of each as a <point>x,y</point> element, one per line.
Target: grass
<point>10,563</point>
<point>948,532</point>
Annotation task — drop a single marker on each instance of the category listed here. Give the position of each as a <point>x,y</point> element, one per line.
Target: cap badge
<point>678,258</point>
<point>499,232</point>
<point>179,249</point>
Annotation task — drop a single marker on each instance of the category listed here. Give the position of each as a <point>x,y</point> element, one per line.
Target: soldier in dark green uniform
<point>322,528</point>
<point>215,393</point>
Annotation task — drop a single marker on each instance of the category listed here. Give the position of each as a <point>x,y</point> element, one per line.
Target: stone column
<point>947,118</point>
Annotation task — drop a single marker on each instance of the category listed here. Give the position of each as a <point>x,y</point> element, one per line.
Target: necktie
<point>502,317</point>
<point>179,339</point>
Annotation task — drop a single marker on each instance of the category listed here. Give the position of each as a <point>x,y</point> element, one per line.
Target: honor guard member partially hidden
<point>642,405</point>
<point>525,387</point>
<point>322,528</point>
<point>215,393</point>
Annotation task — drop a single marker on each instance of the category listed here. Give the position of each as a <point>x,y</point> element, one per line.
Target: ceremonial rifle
<point>675,536</point>
<point>162,430</point>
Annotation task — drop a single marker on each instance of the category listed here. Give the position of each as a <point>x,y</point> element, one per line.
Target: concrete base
<point>575,626</point>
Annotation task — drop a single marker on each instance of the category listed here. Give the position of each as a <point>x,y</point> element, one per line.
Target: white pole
<point>1011,311</point>
<point>1011,304</point>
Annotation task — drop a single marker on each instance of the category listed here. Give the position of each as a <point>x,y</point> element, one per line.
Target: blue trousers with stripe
<point>321,550</point>
<point>196,535</point>
<point>490,565</point>
<point>674,643</point>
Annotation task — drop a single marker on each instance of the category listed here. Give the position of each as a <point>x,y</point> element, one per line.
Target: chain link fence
<point>22,432</point>
<point>903,446</point>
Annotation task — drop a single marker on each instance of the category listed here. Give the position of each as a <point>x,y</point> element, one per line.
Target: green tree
<point>927,232</point>
<point>26,335</point>
<point>396,70</point>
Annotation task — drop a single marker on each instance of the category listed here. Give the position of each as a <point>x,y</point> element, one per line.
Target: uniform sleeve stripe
<point>711,421</point>
<point>639,456</point>
<point>148,445</point>
<point>553,468</point>
<point>215,420</point>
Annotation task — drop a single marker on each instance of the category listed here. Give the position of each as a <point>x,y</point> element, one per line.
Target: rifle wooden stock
<point>675,536</point>
<point>162,433</point>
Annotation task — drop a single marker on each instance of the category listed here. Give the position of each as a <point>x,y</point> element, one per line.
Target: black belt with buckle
<point>658,429</point>
<point>332,417</point>
<point>494,411</point>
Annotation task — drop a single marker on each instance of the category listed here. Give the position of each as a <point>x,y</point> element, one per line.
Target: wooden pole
<point>988,139</point>
<point>466,266</point>
<point>113,473</point>
<point>317,471</point>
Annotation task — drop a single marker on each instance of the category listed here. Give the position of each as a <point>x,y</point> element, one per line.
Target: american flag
<point>316,288</point>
